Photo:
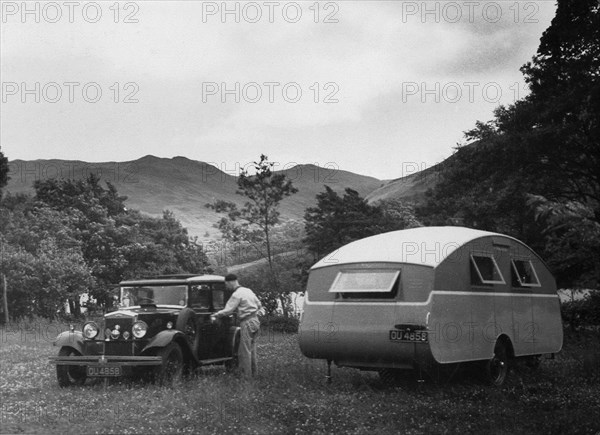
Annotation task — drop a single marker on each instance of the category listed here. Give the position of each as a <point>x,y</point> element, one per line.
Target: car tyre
<point>171,369</point>
<point>67,375</point>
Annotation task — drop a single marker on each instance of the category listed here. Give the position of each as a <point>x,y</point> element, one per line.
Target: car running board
<point>206,362</point>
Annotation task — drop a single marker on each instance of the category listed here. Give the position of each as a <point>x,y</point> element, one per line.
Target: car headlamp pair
<point>90,330</point>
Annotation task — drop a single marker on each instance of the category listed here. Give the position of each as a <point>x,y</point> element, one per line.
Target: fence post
<point>5,299</point>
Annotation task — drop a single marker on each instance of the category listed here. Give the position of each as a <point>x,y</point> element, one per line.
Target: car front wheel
<point>70,375</point>
<point>171,368</point>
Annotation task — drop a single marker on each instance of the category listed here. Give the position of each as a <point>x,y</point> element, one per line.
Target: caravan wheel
<point>496,369</point>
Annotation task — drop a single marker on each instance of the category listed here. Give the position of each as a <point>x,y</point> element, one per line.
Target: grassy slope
<point>290,396</point>
<point>184,186</point>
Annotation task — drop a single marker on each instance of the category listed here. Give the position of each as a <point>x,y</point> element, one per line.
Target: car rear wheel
<point>171,368</point>
<point>496,368</point>
<point>70,375</point>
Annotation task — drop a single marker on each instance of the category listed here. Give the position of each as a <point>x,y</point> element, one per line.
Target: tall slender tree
<point>255,221</point>
<point>3,172</point>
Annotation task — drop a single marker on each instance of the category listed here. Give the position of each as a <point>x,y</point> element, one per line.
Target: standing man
<point>247,304</point>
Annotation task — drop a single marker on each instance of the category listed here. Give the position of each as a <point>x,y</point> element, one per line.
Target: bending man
<point>247,304</point>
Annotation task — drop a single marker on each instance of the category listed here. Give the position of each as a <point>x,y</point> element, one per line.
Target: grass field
<point>291,396</point>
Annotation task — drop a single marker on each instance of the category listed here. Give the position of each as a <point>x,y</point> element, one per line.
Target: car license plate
<point>104,370</point>
<point>419,336</point>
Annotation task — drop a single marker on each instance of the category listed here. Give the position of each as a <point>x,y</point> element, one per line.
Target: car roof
<point>427,246</point>
<point>174,281</point>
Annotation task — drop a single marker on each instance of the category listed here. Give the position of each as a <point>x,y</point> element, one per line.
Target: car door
<point>221,346</point>
<point>201,303</point>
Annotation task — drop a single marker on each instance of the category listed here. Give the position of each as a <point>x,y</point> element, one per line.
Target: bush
<point>280,324</point>
<point>584,312</point>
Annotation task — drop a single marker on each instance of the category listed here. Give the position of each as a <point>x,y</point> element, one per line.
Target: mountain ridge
<point>184,186</point>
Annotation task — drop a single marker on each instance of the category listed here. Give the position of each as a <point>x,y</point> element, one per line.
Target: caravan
<point>431,296</point>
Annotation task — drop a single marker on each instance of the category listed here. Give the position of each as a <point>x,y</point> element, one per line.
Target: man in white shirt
<point>247,305</point>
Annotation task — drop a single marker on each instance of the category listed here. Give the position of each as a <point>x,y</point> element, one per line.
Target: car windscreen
<point>156,295</point>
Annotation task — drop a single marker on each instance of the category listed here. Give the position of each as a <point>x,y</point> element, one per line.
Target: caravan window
<point>524,274</point>
<point>484,270</point>
<point>366,283</point>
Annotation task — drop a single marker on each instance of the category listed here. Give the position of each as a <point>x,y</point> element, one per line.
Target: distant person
<point>247,304</point>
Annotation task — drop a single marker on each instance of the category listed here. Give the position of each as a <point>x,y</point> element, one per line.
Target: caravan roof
<point>427,246</point>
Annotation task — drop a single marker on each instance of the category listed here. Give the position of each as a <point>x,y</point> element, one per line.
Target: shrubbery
<point>583,312</point>
<point>279,324</point>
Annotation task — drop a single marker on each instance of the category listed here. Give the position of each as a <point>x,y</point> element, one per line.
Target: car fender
<point>163,338</point>
<point>72,339</point>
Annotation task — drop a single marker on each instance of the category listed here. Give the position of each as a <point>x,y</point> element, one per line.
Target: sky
<point>380,88</point>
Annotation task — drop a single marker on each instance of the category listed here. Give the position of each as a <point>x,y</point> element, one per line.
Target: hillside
<point>410,188</point>
<point>184,186</point>
<point>413,187</point>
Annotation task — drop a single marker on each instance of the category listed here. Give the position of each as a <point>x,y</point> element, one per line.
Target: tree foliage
<point>77,236</point>
<point>546,146</point>
<point>41,258</point>
<point>337,220</point>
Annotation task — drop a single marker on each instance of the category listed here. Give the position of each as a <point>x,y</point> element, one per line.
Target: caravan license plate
<point>419,336</point>
<point>104,370</point>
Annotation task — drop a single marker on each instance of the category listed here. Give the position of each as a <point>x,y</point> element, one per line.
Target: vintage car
<point>162,328</point>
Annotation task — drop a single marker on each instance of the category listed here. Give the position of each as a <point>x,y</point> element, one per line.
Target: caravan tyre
<point>496,368</point>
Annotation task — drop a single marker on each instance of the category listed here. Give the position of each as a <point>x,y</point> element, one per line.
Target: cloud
<point>364,61</point>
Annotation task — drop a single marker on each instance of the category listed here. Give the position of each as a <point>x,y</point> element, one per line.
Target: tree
<point>4,169</point>
<point>546,145</point>
<point>336,220</point>
<point>3,181</point>
<point>573,235</point>
<point>118,243</point>
<point>43,263</point>
<point>87,196</point>
<point>254,223</point>
<point>265,190</point>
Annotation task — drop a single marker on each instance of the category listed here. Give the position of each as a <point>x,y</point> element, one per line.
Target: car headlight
<point>139,329</point>
<point>90,330</point>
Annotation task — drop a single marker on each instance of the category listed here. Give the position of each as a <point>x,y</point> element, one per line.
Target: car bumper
<point>106,359</point>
